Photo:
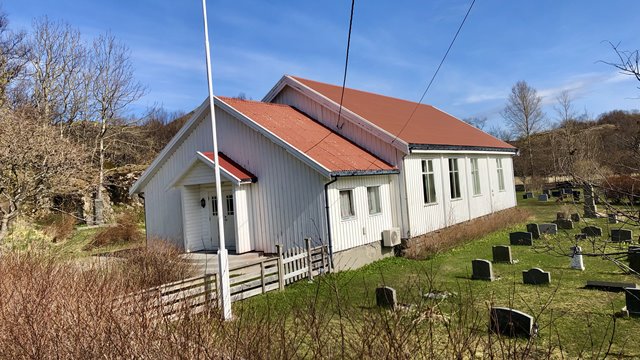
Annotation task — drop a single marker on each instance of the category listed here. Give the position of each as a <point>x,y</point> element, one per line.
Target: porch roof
<point>230,167</point>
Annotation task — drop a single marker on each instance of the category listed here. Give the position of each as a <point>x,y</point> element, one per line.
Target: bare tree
<point>524,116</point>
<point>628,61</point>
<point>478,122</point>
<point>58,72</point>
<point>34,161</point>
<point>13,57</point>
<point>501,132</point>
<point>113,90</point>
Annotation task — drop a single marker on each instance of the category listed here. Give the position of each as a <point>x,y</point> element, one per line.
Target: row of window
<point>230,208</point>
<point>347,208</point>
<point>428,179</point>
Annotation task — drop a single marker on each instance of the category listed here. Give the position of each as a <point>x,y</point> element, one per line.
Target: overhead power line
<point>346,65</point>
<point>436,72</point>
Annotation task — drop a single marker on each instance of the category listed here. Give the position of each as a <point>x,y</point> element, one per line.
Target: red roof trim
<point>232,167</point>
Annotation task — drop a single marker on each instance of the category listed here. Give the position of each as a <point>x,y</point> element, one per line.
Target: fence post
<point>207,289</point>
<point>280,267</point>
<point>324,265</point>
<point>307,242</point>
<point>262,276</point>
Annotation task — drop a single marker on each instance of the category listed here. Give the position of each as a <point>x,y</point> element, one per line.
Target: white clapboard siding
<point>287,201</point>
<point>363,228</point>
<point>329,118</point>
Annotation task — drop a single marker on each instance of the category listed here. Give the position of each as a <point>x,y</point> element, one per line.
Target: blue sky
<point>396,46</point>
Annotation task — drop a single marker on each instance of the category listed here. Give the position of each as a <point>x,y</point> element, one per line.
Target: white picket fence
<point>196,294</point>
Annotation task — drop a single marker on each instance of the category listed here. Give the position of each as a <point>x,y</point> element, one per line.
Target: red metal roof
<point>325,147</point>
<point>231,167</point>
<point>428,125</point>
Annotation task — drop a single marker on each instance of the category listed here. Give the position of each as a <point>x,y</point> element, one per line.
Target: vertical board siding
<point>349,233</point>
<point>194,233</point>
<point>425,218</point>
<point>329,118</point>
<point>287,201</point>
<point>243,225</point>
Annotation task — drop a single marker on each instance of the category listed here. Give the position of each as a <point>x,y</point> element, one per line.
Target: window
<point>475,177</point>
<point>373,195</point>
<point>214,205</point>
<point>428,182</point>
<point>230,210</point>
<point>500,174</point>
<point>454,179</point>
<point>346,204</point>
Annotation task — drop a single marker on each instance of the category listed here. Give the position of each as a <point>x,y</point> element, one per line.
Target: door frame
<point>208,192</point>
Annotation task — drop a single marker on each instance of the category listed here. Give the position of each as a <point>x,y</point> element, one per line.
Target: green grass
<point>575,316</point>
<point>75,246</point>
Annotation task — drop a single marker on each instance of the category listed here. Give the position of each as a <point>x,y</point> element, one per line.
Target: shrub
<point>59,227</point>
<point>622,187</point>
<point>427,245</point>
<point>124,231</point>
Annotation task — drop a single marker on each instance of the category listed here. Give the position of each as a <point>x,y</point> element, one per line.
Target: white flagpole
<point>224,290</point>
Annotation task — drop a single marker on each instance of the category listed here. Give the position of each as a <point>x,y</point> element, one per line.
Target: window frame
<point>454,179</point>
<point>476,183</point>
<point>500,173</point>
<point>352,206</point>
<point>231,210</point>
<point>214,205</point>
<point>428,178</point>
<point>378,200</point>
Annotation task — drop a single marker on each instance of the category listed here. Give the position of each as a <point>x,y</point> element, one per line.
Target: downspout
<point>326,207</point>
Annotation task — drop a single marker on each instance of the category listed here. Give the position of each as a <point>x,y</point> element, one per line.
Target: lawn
<point>576,322</point>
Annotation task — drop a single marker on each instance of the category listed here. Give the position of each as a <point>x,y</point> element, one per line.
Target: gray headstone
<point>502,254</point>
<point>621,235</point>
<point>592,231</point>
<point>528,195</point>
<point>576,258</point>
<point>632,297</point>
<point>590,209</point>
<point>611,286</point>
<point>575,217</point>
<point>613,218</point>
<point>567,191</point>
<point>565,224</point>
<point>534,229</point>
<point>634,258</point>
<point>543,197</point>
<point>581,236</point>
<point>482,270</point>
<point>548,229</point>
<point>510,322</point>
<point>386,297</point>
<point>521,238</point>
<point>536,276</point>
<point>556,193</point>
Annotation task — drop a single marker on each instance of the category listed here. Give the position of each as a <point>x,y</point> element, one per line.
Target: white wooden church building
<point>292,170</point>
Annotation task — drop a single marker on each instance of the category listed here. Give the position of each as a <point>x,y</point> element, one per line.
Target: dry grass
<point>425,246</point>
<point>124,231</point>
<point>59,227</point>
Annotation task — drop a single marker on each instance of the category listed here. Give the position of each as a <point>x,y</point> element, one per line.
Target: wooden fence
<point>195,294</point>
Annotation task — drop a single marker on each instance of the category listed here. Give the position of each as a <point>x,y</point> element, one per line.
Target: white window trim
<point>422,174</point>
<point>500,175</point>
<point>457,172</point>
<point>473,178</point>
<point>353,205</point>
<point>379,201</point>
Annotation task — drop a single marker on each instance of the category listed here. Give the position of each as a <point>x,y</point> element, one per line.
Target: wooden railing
<point>197,293</point>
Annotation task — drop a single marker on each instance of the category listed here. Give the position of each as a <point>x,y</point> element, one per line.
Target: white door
<point>228,209</point>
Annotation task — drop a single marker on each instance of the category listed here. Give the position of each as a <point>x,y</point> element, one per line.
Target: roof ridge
<point>252,101</point>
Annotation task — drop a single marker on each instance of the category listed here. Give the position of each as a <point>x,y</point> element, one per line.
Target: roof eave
<point>365,172</point>
<point>417,148</point>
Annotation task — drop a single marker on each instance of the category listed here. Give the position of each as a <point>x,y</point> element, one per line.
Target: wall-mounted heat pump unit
<point>391,237</point>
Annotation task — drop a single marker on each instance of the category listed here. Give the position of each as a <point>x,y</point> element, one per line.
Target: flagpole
<point>224,290</point>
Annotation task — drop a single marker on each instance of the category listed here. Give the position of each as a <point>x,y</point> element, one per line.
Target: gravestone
<point>581,236</point>
<point>634,258</point>
<point>482,270</point>
<point>576,195</point>
<point>556,193</point>
<point>632,297</point>
<point>528,195</point>
<point>621,235</point>
<point>536,276</point>
<point>534,229</point>
<point>521,238</point>
<point>386,297</point>
<point>546,191</point>
<point>590,209</point>
<point>611,286</point>
<point>592,231</point>
<point>549,229</point>
<point>543,197</point>
<point>613,218</point>
<point>575,217</point>
<point>576,258</point>
<point>567,191</point>
<point>564,224</point>
<point>511,322</point>
<point>502,254</point>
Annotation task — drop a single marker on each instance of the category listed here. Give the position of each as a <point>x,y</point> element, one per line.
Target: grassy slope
<point>579,313</point>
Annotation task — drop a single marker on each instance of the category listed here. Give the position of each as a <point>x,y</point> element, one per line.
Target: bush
<point>157,264</point>
<point>59,227</point>
<point>425,246</point>
<point>622,187</point>
<point>124,231</point>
